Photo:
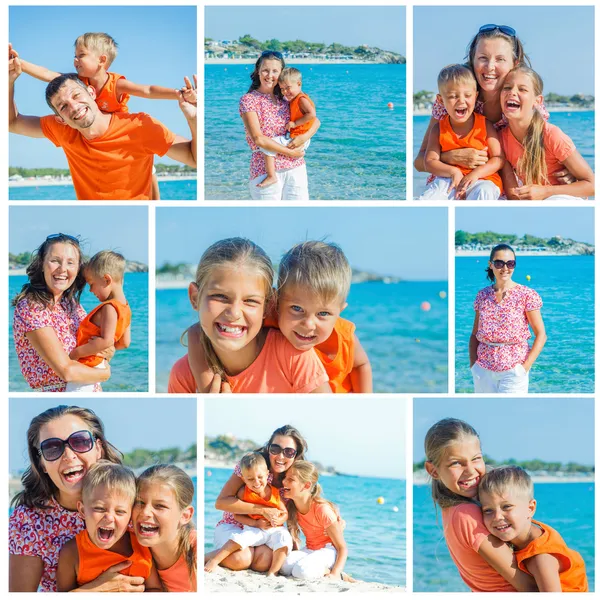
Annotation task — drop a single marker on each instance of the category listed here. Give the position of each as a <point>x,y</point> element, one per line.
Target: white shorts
<point>292,184</point>
<point>85,387</point>
<point>513,381</point>
<point>309,564</point>
<point>223,533</point>
<point>284,141</point>
<point>274,538</point>
<point>480,190</point>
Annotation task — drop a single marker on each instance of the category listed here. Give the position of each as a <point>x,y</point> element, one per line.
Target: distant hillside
<point>21,261</point>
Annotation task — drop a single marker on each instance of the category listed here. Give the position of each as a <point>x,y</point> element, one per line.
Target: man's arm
<point>182,150</point>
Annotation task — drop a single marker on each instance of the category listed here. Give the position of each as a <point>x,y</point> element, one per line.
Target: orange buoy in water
<point>425,306</point>
<point>390,105</point>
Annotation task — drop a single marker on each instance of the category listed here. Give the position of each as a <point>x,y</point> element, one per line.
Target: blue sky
<point>380,26</point>
<point>157,45</point>
<point>120,228</point>
<point>558,39</point>
<point>575,223</point>
<point>551,429</point>
<point>151,423</point>
<point>339,432</point>
<point>406,242</point>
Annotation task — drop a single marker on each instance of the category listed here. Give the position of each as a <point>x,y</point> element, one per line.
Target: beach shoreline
<point>56,181</point>
<point>421,478</point>
<point>296,61</point>
<point>426,112</point>
<point>486,253</point>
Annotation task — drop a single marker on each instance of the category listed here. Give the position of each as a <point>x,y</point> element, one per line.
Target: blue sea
<point>567,507</point>
<point>579,126</point>
<point>407,347</point>
<point>169,190</point>
<point>358,153</point>
<point>566,285</point>
<point>129,368</point>
<point>375,534</point>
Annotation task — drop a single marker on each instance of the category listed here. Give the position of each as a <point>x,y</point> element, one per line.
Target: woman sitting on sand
<point>47,315</point>
<point>266,114</point>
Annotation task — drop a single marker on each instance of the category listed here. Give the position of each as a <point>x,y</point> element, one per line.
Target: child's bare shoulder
<point>69,552</point>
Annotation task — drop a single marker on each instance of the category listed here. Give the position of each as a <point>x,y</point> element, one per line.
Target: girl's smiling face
<point>280,463</point>
<point>292,487</point>
<point>518,96</point>
<point>61,265</point>
<point>461,467</point>
<point>492,61</point>
<point>269,72</point>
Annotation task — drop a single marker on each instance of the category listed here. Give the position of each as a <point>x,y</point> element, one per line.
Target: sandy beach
<point>223,580</point>
<point>48,182</point>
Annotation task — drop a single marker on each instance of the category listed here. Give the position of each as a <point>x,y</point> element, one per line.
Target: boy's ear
<point>80,508</point>
<point>431,470</point>
<point>439,98</point>
<point>532,507</point>
<point>193,295</point>
<point>103,59</point>
<point>344,306</point>
<point>108,279</point>
<point>186,515</point>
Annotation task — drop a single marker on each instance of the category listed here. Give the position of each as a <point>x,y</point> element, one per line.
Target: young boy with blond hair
<point>107,497</point>
<point>508,506</point>
<point>110,321</point>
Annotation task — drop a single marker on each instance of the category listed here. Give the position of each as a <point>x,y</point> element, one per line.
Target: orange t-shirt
<point>279,368</point>
<point>254,498</point>
<point>320,516</point>
<point>87,330</point>
<point>107,100</point>
<point>464,532</point>
<point>118,164</point>
<point>572,568</point>
<point>340,342</point>
<point>558,146</point>
<point>296,113</point>
<point>94,561</point>
<point>476,138</point>
<point>177,577</point>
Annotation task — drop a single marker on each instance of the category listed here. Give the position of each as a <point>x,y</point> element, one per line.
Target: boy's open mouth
<point>461,112</point>
<point>146,530</point>
<point>231,331</point>
<point>105,534</point>
<point>73,474</point>
<point>502,528</point>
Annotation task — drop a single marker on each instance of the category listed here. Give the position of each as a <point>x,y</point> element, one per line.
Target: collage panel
<point>525,298</point>
<point>344,503</point>
<point>302,299</point>
<point>78,296</point>
<point>267,93</point>
<point>501,111</point>
<point>90,493</point>
<point>505,516</point>
<point>122,134</point>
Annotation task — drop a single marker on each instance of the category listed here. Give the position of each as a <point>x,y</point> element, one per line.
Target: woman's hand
<point>113,581</point>
<point>465,157</point>
<point>295,152</point>
<point>463,186</point>
<point>531,192</point>
<point>262,524</point>
<point>218,386</point>
<point>275,516</point>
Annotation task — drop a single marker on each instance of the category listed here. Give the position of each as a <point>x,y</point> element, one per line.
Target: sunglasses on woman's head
<point>503,28</point>
<point>53,448</point>
<point>499,264</point>
<point>60,236</point>
<point>272,53</point>
<point>276,450</point>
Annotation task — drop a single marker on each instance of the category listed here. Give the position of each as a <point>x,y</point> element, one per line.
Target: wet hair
<point>100,43</point>
<point>115,477</point>
<point>38,488</point>
<point>288,431</point>
<point>455,74</point>
<point>54,86</point>
<point>498,248</point>
<point>232,252</point>
<point>439,438</point>
<point>255,75</point>
<point>183,489</point>
<point>532,164</point>
<point>253,460</point>
<point>36,289</point>
<point>291,74</point>
<point>107,262</point>
<point>318,266</point>
<point>507,479</point>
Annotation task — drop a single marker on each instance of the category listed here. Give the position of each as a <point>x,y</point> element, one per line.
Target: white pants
<point>309,564</point>
<point>284,141</point>
<point>513,381</point>
<point>274,538</point>
<point>85,387</point>
<point>480,190</point>
<point>292,184</point>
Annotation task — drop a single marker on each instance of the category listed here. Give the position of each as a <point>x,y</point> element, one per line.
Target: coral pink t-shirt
<point>314,523</point>
<point>279,368</point>
<point>558,147</point>
<point>464,532</point>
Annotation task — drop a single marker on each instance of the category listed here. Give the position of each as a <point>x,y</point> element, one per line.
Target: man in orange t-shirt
<point>110,156</point>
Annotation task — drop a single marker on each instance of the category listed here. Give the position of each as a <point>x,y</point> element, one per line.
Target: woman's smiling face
<point>492,61</point>
<point>61,265</point>
<point>280,463</point>
<point>503,274</point>
<point>269,72</point>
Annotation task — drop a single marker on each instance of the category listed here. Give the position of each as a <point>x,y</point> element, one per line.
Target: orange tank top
<point>296,113</point>
<point>340,344</point>
<point>94,561</point>
<point>254,498</point>
<point>107,100</point>
<point>177,578</point>
<point>476,138</point>
<point>88,330</point>
<point>572,575</point>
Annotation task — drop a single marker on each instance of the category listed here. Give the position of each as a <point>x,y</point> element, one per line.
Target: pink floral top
<point>272,118</point>
<point>506,323</point>
<point>43,532</point>
<point>64,318</point>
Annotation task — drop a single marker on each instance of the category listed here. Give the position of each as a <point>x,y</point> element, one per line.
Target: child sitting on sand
<point>110,321</point>
<point>508,506</point>
<point>255,474</point>
<point>107,497</point>
<point>462,128</point>
<point>302,114</point>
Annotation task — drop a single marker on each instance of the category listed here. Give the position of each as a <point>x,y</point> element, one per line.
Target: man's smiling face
<point>75,104</point>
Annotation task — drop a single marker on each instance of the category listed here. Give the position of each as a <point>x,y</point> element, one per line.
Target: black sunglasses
<point>276,450</point>
<point>503,28</point>
<point>60,236</point>
<point>272,53</point>
<point>499,264</point>
<point>53,448</point>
